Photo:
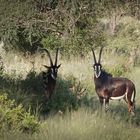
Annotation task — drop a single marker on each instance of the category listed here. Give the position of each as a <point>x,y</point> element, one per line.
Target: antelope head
<point>53,68</point>
<point>97,64</point>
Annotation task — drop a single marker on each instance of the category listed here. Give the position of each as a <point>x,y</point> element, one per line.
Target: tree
<point>72,25</point>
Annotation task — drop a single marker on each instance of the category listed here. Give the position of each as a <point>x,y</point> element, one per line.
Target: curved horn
<point>100,54</point>
<point>51,62</point>
<point>56,57</point>
<point>94,56</point>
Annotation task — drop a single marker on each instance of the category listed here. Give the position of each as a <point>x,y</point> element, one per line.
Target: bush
<point>126,40</point>
<point>118,70</point>
<point>70,94</point>
<point>14,116</point>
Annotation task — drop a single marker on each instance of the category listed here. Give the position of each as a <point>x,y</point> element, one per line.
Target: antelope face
<point>54,70</point>
<point>97,69</point>
<point>97,65</point>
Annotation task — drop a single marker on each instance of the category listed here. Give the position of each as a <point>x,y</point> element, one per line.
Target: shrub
<point>118,70</point>
<point>14,116</point>
<point>126,40</point>
<point>70,94</point>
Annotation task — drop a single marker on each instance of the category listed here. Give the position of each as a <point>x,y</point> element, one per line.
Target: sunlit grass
<point>17,64</point>
<point>82,124</point>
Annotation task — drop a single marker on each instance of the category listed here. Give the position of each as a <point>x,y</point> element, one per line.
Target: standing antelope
<point>49,77</point>
<point>112,88</point>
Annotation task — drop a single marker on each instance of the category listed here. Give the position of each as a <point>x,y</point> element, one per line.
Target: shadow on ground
<point>69,94</point>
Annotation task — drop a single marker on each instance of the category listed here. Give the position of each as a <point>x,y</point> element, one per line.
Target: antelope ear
<point>58,65</point>
<point>46,66</point>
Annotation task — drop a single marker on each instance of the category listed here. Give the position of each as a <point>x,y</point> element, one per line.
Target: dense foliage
<point>14,117</point>
<point>70,93</point>
<point>74,26</point>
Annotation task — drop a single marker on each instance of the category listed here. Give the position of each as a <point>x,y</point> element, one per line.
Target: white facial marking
<point>52,73</point>
<point>56,70</point>
<point>95,68</point>
<point>52,70</point>
<point>53,77</point>
<point>97,71</point>
<point>97,75</point>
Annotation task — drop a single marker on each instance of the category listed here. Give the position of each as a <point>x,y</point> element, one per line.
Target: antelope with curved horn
<point>112,88</point>
<point>49,77</point>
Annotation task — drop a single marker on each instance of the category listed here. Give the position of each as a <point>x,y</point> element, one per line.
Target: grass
<point>84,123</point>
<point>81,125</point>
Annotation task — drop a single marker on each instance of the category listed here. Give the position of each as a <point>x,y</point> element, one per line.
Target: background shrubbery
<point>73,26</point>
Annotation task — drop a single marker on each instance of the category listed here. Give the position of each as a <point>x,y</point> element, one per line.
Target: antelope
<point>108,87</point>
<point>49,77</point>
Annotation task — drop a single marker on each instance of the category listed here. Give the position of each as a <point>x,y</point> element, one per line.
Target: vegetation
<point>74,27</point>
<point>14,117</point>
<point>82,124</point>
<point>68,110</point>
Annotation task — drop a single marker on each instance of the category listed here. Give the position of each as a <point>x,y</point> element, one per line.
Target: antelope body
<point>108,87</point>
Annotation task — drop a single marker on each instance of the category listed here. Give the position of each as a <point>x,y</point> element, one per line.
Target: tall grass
<point>81,125</point>
<point>26,84</point>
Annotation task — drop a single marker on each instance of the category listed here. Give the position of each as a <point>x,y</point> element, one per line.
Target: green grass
<point>84,123</point>
<point>81,125</point>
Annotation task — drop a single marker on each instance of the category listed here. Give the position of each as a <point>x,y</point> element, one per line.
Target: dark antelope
<point>112,88</point>
<point>49,77</point>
